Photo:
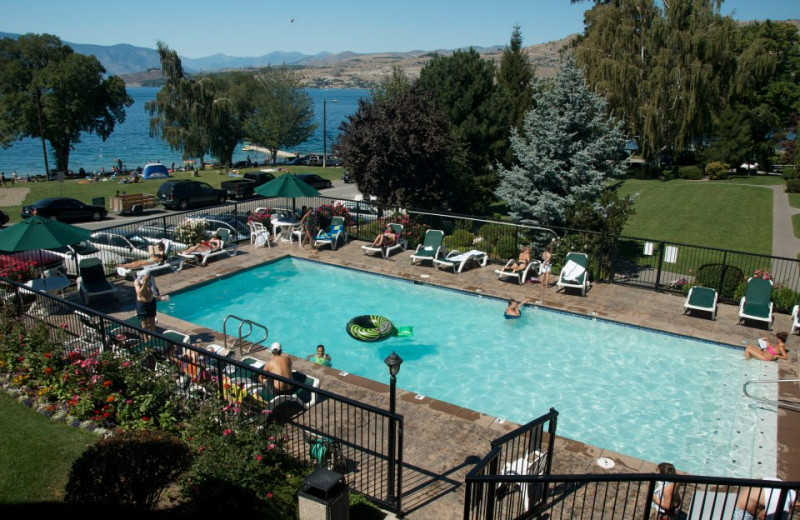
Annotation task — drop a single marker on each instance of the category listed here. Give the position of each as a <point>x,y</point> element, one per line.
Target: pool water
<point>654,396</point>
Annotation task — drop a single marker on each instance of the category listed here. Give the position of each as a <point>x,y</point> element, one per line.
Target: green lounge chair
<point>431,248</point>
<point>265,396</point>
<point>756,304</point>
<point>574,273</point>
<point>701,299</point>
<point>92,280</point>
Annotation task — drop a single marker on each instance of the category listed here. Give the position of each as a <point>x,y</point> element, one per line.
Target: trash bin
<point>99,201</point>
<point>324,496</point>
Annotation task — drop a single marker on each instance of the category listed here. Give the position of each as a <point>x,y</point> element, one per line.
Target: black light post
<point>393,361</point>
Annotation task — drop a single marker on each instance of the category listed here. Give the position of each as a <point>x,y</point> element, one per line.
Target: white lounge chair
<point>335,233</point>
<point>401,243</point>
<point>795,319</point>
<point>430,248</point>
<point>520,276</point>
<point>227,249</point>
<point>756,304</point>
<point>457,261</point>
<point>701,299</point>
<point>525,466</point>
<point>574,273</point>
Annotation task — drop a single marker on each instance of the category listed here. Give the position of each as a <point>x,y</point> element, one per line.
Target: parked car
<point>360,211</point>
<point>62,208</point>
<point>155,232</point>
<point>348,178</point>
<point>246,186</point>
<point>73,254</point>
<point>183,194</point>
<point>3,218</point>
<point>129,246</point>
<point>314,180</point>
<point>236,225</point>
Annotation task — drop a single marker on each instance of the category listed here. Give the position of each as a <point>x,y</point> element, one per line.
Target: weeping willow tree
<point>193,116</point>
<point>665,70</point>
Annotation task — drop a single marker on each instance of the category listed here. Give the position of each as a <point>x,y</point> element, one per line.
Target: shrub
<point>461,239</point>
<point>325,212</point>
<point>131,469</point>
<point>491,234</point>
<point>789,172</point>
<point>785,298</point>
<point>692,173</point>
<point>709,275</point>
<point>717,170</point>
<point>793,186</point>
<point>505,248</point>
<point>190,231</point>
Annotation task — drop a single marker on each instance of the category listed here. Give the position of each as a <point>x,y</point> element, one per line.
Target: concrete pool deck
<point>434,469</point>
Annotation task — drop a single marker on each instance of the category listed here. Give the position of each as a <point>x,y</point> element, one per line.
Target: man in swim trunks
<point>146,297</point>
<point>280,365</point>
<point>766,350</point>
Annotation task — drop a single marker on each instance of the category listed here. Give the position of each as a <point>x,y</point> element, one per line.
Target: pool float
<point>369,328</point>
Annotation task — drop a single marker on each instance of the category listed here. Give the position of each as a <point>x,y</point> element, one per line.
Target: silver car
<point>130,247</point>
<point>73,254</point>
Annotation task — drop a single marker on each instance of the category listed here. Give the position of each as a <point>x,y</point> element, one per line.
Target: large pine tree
<point>568,149</point>
<point>515,76</point>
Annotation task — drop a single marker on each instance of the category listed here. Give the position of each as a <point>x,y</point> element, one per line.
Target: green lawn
<point>36,454</point>
<point>86,192</point>
<point>734,214</point>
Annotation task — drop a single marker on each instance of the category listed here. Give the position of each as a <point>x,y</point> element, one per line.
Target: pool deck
<point>442,441</point>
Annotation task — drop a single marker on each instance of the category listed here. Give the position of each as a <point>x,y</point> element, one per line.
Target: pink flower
<point>269,495</point>
<point>200,450</point>
<point>258,458</point>
<point>270,446</point>
<point>128,401</point>
<point>126,364</point>
<point>227,432</point>
<point>272,437</point>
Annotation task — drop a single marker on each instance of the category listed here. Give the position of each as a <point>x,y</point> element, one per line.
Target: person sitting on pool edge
<point>280,365</point>
<point>206,246</point>
<point>385,239</point>
<point>514,310</point>
<point>667,495</point>
<point>767,351</point>
<point>320,358</point>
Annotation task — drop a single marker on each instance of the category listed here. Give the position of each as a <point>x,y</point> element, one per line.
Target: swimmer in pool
<point>514,309</point>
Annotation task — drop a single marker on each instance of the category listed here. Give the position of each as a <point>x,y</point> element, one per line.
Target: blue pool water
<point>654,396</point>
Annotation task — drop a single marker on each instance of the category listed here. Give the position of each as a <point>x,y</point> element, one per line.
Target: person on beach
<point>767,351</point>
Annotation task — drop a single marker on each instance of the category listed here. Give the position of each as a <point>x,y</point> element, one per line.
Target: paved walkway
<point>784,242</point>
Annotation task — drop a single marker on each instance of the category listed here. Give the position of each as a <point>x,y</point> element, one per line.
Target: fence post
<point>722,273</point>
<point>661,247</point>
<point>494,469</point>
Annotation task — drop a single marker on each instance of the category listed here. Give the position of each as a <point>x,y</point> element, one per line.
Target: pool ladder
<point>243,334</point>
<point>774,402</point>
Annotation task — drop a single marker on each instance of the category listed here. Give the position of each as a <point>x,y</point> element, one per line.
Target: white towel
<point>573,270</point>
<point>466,256</point>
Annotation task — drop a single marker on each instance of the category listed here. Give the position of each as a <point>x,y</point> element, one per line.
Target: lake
<point>132,143</point>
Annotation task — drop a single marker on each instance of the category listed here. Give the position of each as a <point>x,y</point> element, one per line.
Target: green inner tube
<point>369,328</point>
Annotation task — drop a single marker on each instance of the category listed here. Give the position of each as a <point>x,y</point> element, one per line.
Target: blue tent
<point>155,171</point>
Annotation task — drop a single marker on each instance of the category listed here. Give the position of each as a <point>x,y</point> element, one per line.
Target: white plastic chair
<point>259,234</point>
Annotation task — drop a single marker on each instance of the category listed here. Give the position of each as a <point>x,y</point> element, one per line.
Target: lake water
<point>132,143</point>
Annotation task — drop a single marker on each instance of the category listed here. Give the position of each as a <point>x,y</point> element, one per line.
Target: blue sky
<point>198,28</point>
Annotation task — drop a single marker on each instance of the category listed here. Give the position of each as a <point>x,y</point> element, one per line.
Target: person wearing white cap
<point>280,365</point>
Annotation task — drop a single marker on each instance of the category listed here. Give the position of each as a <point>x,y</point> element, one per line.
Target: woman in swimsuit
<point>205,247</point>
<point>667,495</point>
<point>385,239</point>
<point>514,309</point>
<point>308,225</point>
<point>522,261</point>
<point>767,351</point>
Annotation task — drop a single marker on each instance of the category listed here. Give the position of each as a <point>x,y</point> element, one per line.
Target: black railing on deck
<point>350,437</point>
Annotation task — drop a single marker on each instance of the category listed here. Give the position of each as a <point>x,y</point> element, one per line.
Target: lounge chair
<point>92,280</point>
<point>401,243</point>
<point>574,274</point>
<point>431,248</point>
<point>525,466</point>
<point>457,261</point>
<point>171,263</point>
<point>520,276</point>
<point>756,304</point>
<point>266,397</point>
<point>227,248</point>
<point>795,319</point>
<point>331,236</point>
<point>701,299</point>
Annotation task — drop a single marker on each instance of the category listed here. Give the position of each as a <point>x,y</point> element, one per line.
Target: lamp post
<point>393,362</point>
<point>325,132</point>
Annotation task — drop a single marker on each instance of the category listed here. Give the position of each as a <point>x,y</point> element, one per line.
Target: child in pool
<point>321,358</point>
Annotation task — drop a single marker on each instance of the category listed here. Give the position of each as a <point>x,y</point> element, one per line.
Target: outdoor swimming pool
<point>654,396</point>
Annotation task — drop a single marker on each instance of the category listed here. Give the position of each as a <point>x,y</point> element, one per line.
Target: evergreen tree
<point>394,84</point>
<point>400,149</point>
<point>50,92</point>
<point>515,75</point>
<point>567,151</point>
<point>463,87</point>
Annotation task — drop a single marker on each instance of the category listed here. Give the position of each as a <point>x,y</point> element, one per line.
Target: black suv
<point>184,194</point>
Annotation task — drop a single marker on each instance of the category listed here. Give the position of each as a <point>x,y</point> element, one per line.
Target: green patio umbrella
<point>287,186</point>
<point>40,233</point>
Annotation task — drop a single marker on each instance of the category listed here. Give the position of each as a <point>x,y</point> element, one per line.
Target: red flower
<point>48,370</point>
<point>269,495</point>
<point>145,418</point>
<point>47,355</point>
<point>20,358</point>
<point>258,458</point>
<point>106,383</point>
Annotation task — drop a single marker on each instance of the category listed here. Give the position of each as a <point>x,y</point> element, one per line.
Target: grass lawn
<point>733,214</point>
<point>794,199</point>
<point>87,191</point>
<point>36,454</point>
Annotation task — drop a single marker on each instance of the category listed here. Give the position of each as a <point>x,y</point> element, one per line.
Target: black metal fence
<point>505,493</point>
<point>324,428</point>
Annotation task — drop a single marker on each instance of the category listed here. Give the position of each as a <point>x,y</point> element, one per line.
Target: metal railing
<point>356,435</point>
<point>773,402</point>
